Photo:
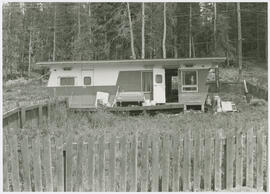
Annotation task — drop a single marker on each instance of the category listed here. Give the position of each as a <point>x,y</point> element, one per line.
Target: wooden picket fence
<point>135,162</point>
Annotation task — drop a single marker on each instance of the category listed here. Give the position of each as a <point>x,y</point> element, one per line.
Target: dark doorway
<point>171,81</point>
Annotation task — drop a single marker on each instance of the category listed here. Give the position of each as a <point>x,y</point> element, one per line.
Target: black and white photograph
<point>134,96</point>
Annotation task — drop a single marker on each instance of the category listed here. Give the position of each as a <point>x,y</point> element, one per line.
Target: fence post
<point>123,164</point>
<point>144,172</point>
<point>47,162</point>
<point>69,158</point>
<point>165,163</point>
<point>155,163</point>
<point>112,164</point>
<point>25,162</point>
<point>5,165</point>
<point>91,157</point>
<point>259,162</point>
<point>134,152</point>
<point>207,161</point>
<point>239,160</point>
<point>175,163</point>
<point>13,144</point>
<point>218,154</point>
<point>101,172</point>
<point>186,170</point>
<point>250,158</point>
<point>22,117</point>
<point>229,161</point>
<point>197,160</point>
<point>79,173</point>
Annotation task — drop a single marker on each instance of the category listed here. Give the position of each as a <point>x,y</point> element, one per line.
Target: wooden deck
<point>189,99</point>
<point>158,108</point>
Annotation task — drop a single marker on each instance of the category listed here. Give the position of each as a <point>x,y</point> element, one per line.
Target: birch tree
<point>164,31</point>
<point>143,41</point>
<point>131,33</point>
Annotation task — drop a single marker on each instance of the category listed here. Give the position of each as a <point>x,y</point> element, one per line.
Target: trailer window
<point>87,81</point>
<point>190,81</point>
<point>158,78</point>
<point>67,81</point>
<point>147,81</point>
<point>174,83</point>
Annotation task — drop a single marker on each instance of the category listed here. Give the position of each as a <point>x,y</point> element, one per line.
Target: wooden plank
<point>186,170</point>
<point>218,157</point>
<point>48,113</point>
<point>155,163</point>
<point>37,164</point>
<point>22,117</point>
<point>265,148</point>
<point>259,162</point>
<point>197,160</point>
<point>101,167</point>
<point>207,161</point>
<point>47,162</point>
<point>175,183</point>
<point>91,157</point>
<point>133,186</point>
<point>123,164</point>
<point>229,161</point>
<point>79,179</point>
<point>40,116</point>
<point>239,160</point>
<point>13,144</point>
<point>112,165</point>
<point>25,164</point>
<point>145,169</point>
<point>250,158</point>
<point>5,165</point>
<point>59,164</point>
<point>165,163</point>
<point>69,158</point>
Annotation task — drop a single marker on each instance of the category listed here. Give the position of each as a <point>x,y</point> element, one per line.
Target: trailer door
<point>159,84</point>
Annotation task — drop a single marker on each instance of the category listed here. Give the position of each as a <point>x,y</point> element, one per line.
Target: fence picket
<point>59,164</point>
<point>207,161</point>
<point>123,164</point>
<point>218,157</point>
<point>112,165</point>
<point>259,158</point>
<point>250,158</point>
<point>134,151</point>
<point>91,157</point>
<point>175,171</point>
<point>69,159</point>
<point>165,163</point>
<point>186,170</point>
<point>22,117</point>
<point>25,165</point>
<point>79,174</point>
<point>229,161</point>
<point>101,170</point>
<point>144,172</point>
<point>5,166</point>
<point>47,162</point>
<point>155,163</point>
<point>40,115</point>
<point>13,144</point>
<point>239,160</point>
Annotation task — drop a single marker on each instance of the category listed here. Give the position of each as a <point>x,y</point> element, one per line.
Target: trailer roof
<point>163,62</point>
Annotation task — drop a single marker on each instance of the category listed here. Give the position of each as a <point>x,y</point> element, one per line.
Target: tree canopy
<point>50,31</point>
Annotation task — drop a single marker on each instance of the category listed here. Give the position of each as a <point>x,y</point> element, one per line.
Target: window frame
<point>149,71</point>
<point>59,78</point>
<point>159,74</point>
<point>90,80</point>
<point>189,86</point>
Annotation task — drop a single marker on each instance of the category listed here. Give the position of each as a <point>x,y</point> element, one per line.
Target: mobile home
<point>161,81</point>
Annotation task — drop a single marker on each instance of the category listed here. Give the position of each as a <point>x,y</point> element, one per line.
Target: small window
<point>190,81</point>
<point>87,81</point>
<point>67,68</point>
<point>174,82</point>
<point>158,78</point>
<point>67,81</point>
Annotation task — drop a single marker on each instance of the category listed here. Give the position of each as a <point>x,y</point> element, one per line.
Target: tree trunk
<point>215,28</point>
<point>239,41</point>
<point>193,47</point>
<point>190,26</point>
<point>164,31</point>
<point>131,33</point>
<point>143,41</point>
<point>54,33</point>
<point>29,55</point>
<point>175,45</point>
